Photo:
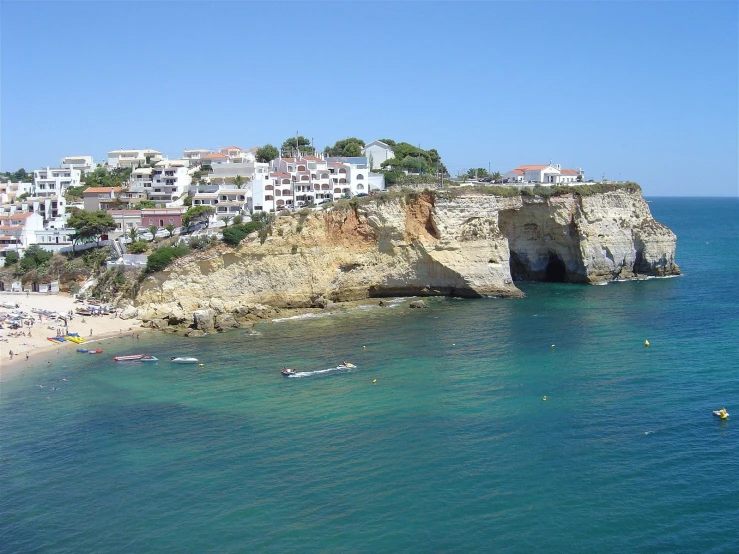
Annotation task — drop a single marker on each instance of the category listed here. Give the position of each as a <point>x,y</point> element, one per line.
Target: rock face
<point>467,245</point>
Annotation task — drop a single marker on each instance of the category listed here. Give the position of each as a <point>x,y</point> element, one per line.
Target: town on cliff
<point>233,233</point>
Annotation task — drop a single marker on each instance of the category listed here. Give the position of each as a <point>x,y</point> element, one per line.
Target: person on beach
<point>90,332</point>
<point>27,355</point>
<point>11,354</point>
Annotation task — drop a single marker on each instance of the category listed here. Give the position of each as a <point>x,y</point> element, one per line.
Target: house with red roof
<point>545,174</point>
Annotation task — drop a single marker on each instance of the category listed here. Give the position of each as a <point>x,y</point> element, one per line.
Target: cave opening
<point>556,272</point>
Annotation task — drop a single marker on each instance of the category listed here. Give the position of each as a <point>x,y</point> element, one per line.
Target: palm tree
<point>239,181</point>
<point>496,176</point>
<point>153,230</point>
<point>170,229</point>
<point>133,233</point>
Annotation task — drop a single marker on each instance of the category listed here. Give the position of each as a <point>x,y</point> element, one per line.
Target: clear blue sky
<point>646,91</point>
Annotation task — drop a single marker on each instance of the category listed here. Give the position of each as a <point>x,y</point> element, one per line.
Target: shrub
<point>138,247</point>
<point>164,256</point>
<point>11,258</point>
<point>236,233</point>
<point>238,219</point>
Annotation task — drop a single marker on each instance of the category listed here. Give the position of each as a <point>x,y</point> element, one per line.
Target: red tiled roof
<point>532,167</point>
<point>313,159</point>
<point>23,215</point>
<point>214,155</point>
<point>569,172</point>
<point>336,164</point>
<point>97,190</point>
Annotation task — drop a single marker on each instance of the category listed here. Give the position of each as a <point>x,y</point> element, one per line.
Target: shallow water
<point>452,449</point>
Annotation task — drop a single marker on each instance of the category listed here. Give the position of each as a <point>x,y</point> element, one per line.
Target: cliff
<point>462,243</point>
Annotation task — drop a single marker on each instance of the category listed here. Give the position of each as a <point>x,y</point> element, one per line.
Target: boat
<point>83,350</point>
<point>97,351</point>
<point>74,339</point>
<point>135,358</point>
<point>286,371</point>
<point>722,413</point>
<point>183,360</point>
<point>347,364</point>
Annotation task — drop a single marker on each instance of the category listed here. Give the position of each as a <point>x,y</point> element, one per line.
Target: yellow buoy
<point>646,343</point>
<point>544,398</point>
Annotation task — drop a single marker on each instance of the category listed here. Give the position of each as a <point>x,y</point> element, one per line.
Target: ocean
<point>440,440</point>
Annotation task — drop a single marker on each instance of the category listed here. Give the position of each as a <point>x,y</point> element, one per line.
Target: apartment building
<point>83,163</point>
<point>132,158</point>
<point>54,182</point>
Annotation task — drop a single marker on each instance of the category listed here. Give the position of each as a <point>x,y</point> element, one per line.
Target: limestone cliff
<point>443,243</point>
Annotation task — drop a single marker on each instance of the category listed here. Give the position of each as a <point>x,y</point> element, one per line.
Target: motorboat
<point>96,351</point>
<point>183,360</point>
<point>136,358</point>
<point>722,413</point>
<point>286,371</point>
<point>347,364</point>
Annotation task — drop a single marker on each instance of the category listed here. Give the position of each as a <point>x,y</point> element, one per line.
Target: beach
<point>27,348</point>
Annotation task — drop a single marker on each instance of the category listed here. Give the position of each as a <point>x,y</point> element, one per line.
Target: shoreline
<point>37,347</point>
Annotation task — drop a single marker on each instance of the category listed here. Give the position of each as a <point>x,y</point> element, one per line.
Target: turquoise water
<point>452,450</point>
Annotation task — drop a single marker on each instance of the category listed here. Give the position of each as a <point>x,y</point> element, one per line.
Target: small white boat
<point>183,360</point>
<point>136,358</point>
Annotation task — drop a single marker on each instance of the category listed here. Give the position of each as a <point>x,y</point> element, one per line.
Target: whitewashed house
<point>10,191</point>
<point>54,182</point>
<point>83,163</point>
<point>170,180</point>
<point>377,152</point>
<point>195,156</point>
<point>133,158</point>
<point>18,231</point>
<point>546,174</point>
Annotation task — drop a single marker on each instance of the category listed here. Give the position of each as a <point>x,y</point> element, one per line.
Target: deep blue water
<point>452,450</point>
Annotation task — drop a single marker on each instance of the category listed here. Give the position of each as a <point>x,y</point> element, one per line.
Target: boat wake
<point>303,374</point>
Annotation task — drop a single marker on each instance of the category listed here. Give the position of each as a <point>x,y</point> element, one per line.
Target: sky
<point>640,91</point>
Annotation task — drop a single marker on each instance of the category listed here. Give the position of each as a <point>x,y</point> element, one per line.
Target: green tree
<point>146,204</point>
<point>162,257</point>
<point>153,230</point>
<point>496,176</point>
<point>90,225</point>
<point>170,229</point>
<point>239,181</point>
<point>340,147</point>
<point>238,219</point>
<point>267,153</point>
<point>389,142</point>
<point>133,232</point>
<point>414,165</point>
<point>198,214</point>
<point>187,201</point>
<point>352,150</point>
<point>301,143</point>
<point>11,258</point>
<point>34,258</point>
<point>477,172</point>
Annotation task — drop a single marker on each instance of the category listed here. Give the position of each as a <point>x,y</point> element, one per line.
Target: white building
<point>10,191</point>
<point>83,163</point>
<point>195,155</point>
<point>546,174</point>
<point>132,158</point>
<point>377,152</point>
<point>357,175</point>
<point>54,182</point>
<point>18,231</point>
<point>166,183</point>
<point>227,200</point>
<point>223,171</point>
<point>236,154</point>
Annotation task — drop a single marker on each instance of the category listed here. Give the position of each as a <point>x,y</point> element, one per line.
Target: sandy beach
<point>29,348</point>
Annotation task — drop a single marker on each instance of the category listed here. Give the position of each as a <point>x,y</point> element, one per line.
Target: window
<point>171,220</point>
<point>151,221</point>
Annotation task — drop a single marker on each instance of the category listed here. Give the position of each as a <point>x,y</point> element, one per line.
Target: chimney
<point>558,167</point>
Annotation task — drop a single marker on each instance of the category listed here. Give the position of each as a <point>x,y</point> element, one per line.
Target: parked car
<point>361,194</point>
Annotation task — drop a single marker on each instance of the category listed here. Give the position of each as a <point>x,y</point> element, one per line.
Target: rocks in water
<point>418,304</point>
<point>225,321</point>
<point>194,333</point>
<point>204,320</point>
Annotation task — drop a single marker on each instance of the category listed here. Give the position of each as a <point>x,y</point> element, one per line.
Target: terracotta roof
<point>214,155</point>
<point>97,190</point>
<point>278,174</point>
<point>313,158</point>
<point>569,172</point>
<point>124,212</point>
<point>532,167</point>
<point>23,215</point>
<point>336,164</point>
